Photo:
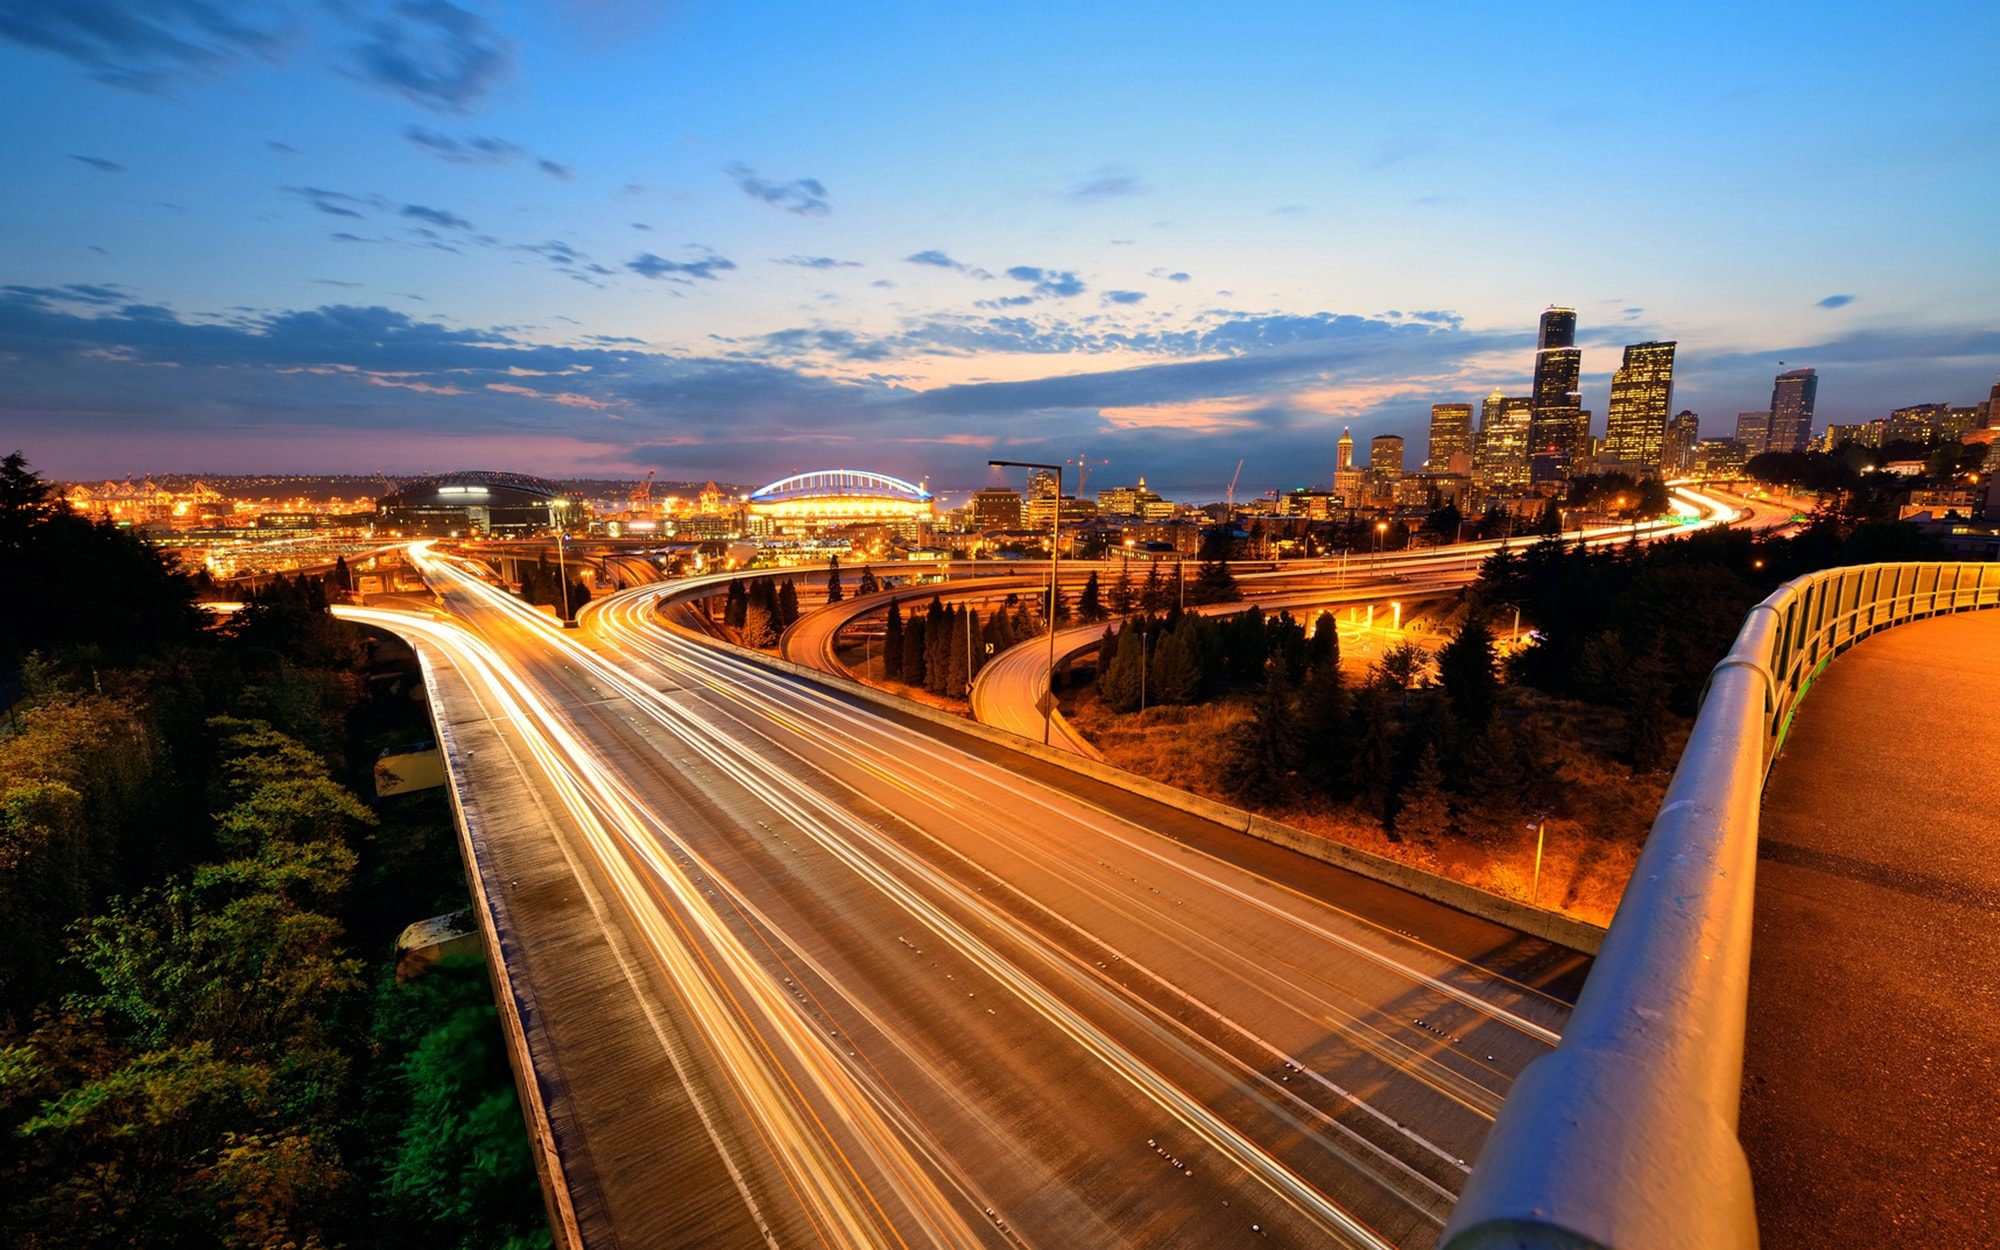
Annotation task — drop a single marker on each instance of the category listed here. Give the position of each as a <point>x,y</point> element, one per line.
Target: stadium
<point>831,499</point>
<point>471,503</point>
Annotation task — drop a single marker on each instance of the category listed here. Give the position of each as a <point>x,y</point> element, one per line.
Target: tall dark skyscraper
<point>1792,409</point>
<point>1558,423</point>
<point>1500,456</point>
<point>1642,394</point>
<point>1683,432</point>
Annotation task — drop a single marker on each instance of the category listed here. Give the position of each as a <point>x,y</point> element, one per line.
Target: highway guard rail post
<point>1624,1137</point>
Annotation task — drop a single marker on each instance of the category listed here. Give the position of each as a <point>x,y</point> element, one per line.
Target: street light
<point>1375,565</point>
<point>1055,541</point>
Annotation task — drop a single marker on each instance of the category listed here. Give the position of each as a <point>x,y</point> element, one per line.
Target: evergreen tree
<point>958,665</point>
<point>1550,523</point>
<point>788,605</point>
<point>759,628</point>
<point>1152,597</point>
<point>1285,644</point>
<point>937,645</point>
<point>892,644</point>
<point>913,652</point>
<point>1425,813</point>
<point>1119,687</point>
<point>1214,583</point>
<point>1121,598</point>
<point>833,591</point>
<point>1374,753</point>
<point>1323,647</point>
<point>1258,768</point>
<point>1091,606</point>
<point>734,600</point>
<point>1646,709</point>
<point>1467,668</point>
<point>1326,735</point>
<point>1490,802</point>
<point>867,585</point>
<point>1061,607</point>
<point>1175,672</point>
<point>343,577</point>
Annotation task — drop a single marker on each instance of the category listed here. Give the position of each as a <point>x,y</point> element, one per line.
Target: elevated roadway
<point>882,984</point>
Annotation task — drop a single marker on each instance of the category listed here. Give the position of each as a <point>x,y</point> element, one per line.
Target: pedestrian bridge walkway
<point>1872,1056</point>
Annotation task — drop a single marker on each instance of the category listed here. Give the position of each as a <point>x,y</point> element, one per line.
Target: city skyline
<point>422,237</point>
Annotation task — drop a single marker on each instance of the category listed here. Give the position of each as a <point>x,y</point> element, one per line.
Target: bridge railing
<point>1625,1136</point>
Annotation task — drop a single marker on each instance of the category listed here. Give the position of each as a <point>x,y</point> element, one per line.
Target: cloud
<point>433,53</point>
<point>471,150</point>
<point>1060,283</point>
<point>817,262</point>
<point>938,260</point>
<point>282,149</point>
<point>435,216</point>
<point>1107,182</point>
<point>142,45</point>
<point>1124,297</point>
<point>1836,301</point>
<point>99,164</point>
<point>332,203</point>
<point>804,196</point>
<point>555,169</point>
<point>647,265</point>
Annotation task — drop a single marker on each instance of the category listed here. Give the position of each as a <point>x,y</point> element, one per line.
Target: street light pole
<point>1055,554</point>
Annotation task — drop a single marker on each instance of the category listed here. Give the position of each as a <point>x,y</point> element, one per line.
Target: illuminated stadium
<point>840,498</point>
<point>472,503</point>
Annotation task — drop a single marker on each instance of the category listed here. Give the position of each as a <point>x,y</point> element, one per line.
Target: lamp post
<point>1375,566</point>
<point>1142,666</point>
<point>1055,550</point>
<point>562,566</point>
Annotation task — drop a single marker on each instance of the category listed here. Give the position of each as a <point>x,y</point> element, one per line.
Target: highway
<point>923,991</point>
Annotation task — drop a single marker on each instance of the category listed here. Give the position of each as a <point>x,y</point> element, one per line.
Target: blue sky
<point>743,240</point>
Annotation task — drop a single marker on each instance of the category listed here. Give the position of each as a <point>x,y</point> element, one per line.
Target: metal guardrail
<point>1625,1138</point>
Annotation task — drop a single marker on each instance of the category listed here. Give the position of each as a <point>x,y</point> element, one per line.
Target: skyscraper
<point>1346,446</point>
<point>1558,423</point>
<point>1642,394</point>
<point>1753,433</point>
<point>1792,409</point>
<point>1683,432</point>
<point>1501,459</point>
<point>1451,438</point>
<point>1385,453</point>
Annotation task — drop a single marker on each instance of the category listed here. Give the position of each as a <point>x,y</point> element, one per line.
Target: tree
<point>1646,709</point>
<point>1151,596</point>
<point>1467,669</point>
<point>1175,671</point>
<point>1325,731</point>
<point>1214,583</point>
<point>1374,753</point>
<point>343,576</point>
<point>1090,606</point>
<point>1121,597</point>
<point>833,591</point>
<point>892,643</point>
<point>958,663</point>
<point>867,585</point>
<point>1425,813</point>
<point>1119,686</point>
<point>1323,647</point>
<point>1263,754</point>
<point>912,667</point>
<point>759,630</point>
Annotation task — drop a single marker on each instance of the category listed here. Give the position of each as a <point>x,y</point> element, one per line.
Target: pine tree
<point>1090,606</point>
<point>1120,599</point>
<point>1323,647</point>
<point>1374,753</point>
<point>343,576</point>
<point>788,605</point>
<point>1214,583</point>
<point>1491,789</point>
<point>1261,758</point>
<point>833,591</point>
<point>913,652</point>
<point>758,628</point>
<point>1425,813</point>
<point>958,667</point>
<point>892,644</point>
<point>1325,731</point>
<point>1175,673</point>
<point>1061,607</point>
<point>1119,687</point>
<point>1645,728</point>
<point>1467,669</point>
<point>867,585</point>
<point>1151,597</point>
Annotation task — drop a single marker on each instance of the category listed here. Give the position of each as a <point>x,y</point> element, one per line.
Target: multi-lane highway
<point>921,990</point>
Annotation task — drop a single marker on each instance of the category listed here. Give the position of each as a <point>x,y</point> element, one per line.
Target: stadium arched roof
<point>840,484</point>
<point>468,480</point>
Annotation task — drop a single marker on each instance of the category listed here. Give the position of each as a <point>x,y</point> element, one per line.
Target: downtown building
<point>1792,396</point>
<point>1642,394</point>
<point>1500,450</point>
<point>1683,432</point>
<point>1558,428</point>
<point>1451,439</point>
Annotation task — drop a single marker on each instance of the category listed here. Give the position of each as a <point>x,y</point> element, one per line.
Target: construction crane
<point>1232,485</point>
<point>644,490</point>
<point>1083,464</point>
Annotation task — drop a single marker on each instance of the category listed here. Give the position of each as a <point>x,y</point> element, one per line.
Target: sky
<point>741,240</point>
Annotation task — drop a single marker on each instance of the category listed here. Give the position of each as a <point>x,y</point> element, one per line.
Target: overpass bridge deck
<point>1872,1053</point>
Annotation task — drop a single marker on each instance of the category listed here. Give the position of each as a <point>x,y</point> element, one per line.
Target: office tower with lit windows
<point>1385,453</point>
<point>1792,398</point>
<point>1753,433</point>
<point>1642,394</point>
<point>1344,459</point>
<point>1501,457</point>
<point>1451,439</point>
<point>1558,423</point>
<point>1683,432</point>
